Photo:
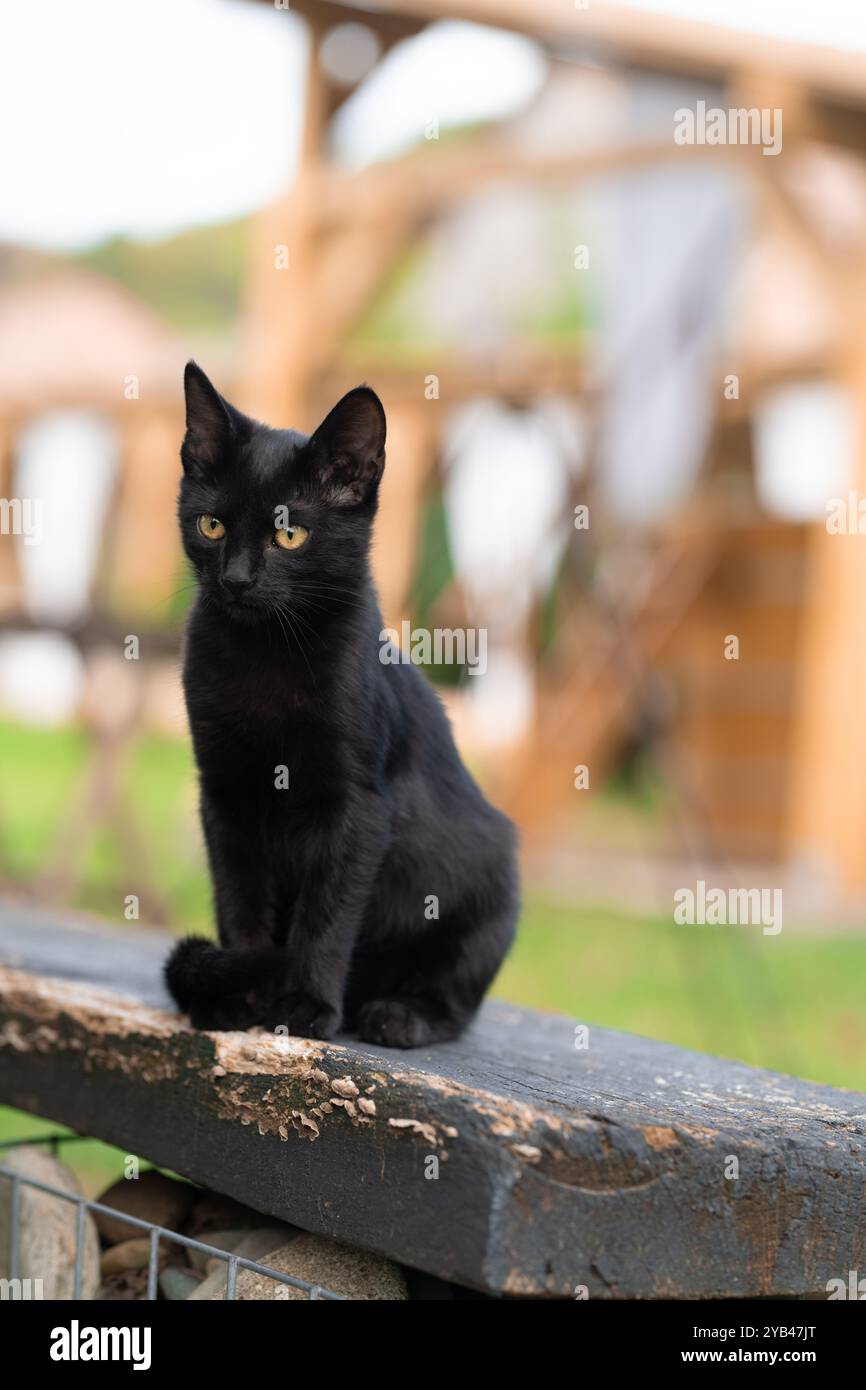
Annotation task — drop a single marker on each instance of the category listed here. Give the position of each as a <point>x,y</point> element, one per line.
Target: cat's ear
<point>208,423</point>
<point>347,451</point>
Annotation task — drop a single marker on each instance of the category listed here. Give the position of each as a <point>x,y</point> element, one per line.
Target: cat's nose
<point>237,578</point>
<point>237,587</point>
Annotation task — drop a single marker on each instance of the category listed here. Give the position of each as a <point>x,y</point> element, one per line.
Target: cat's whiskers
<point>161,603</point>
<point>331,595</point>
<point>280,614</point>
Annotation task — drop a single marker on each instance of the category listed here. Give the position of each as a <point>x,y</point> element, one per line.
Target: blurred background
<point>624,378</point>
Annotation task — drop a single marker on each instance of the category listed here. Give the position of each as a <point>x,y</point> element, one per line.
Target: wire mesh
<point>155,1233</point>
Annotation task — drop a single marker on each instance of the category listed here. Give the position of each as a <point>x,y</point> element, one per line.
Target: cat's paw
<point>398,1023</point>
<point>226,1015</point>
<point>303,1016</point>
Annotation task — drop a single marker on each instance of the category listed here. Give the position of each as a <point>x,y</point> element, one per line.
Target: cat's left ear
<point>347,451</point>
<point>208,423</point>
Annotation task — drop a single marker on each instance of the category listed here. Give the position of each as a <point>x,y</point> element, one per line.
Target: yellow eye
<point>292,538</point>
<point>211,528</point>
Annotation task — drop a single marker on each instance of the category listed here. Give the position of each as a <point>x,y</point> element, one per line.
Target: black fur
<point>323,890</point>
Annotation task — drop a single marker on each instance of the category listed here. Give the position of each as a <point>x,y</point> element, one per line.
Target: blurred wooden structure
<point>774,753</point>
<point>74,342</point>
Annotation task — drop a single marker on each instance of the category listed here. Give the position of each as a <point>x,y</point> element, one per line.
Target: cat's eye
<point>292,537</point>
<point>211,528</point>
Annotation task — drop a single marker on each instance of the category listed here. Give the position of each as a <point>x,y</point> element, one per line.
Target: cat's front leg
<point>341,861</point>
<point>242,881</point>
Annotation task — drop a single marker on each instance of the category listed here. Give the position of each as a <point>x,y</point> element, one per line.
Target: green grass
<point>40,771</point>
<point>794,1003</point>
<point>96,1165</point>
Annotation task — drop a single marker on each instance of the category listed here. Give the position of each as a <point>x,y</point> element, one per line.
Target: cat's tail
<point>201,975</point>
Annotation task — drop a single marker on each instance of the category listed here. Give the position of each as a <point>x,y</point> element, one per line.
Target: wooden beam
<point>11,580</point>
<point>413,429</point>
<point>607,1167</point>
<point>391,28</point>
<point>142,563</point>
<point>524,373</point>
<point>642,38</point>
<point>827,817</point>
<point>280,307</point>
<point>426,181</point>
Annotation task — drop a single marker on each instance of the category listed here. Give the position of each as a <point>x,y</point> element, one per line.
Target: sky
<point>144,119</point>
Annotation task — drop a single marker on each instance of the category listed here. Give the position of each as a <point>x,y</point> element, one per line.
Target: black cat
<point>360,877</point>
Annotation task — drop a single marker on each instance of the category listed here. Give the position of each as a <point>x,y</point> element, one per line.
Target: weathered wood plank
<point>557,1167</point>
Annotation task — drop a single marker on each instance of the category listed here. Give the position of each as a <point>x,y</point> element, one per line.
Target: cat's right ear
<point>348,448</point>
<point>208,423</point>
